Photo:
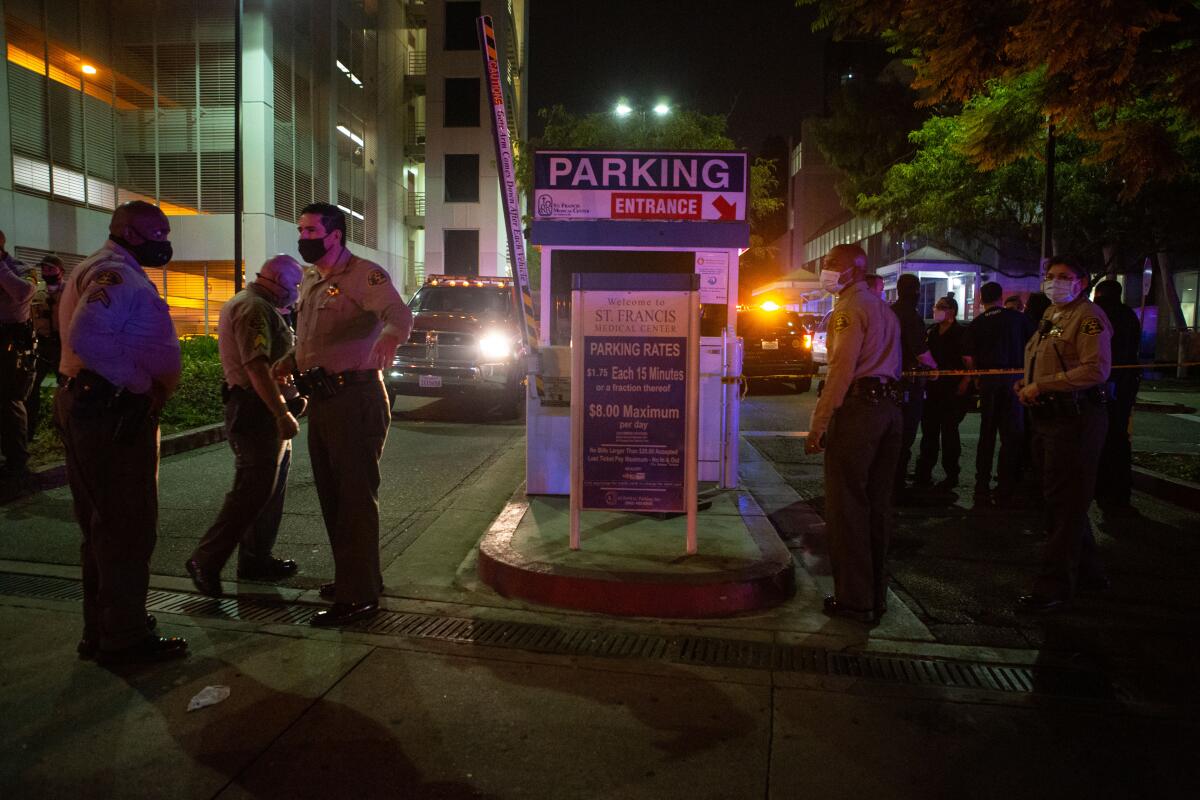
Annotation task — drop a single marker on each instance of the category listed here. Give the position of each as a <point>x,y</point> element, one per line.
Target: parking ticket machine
<point>646,212</point>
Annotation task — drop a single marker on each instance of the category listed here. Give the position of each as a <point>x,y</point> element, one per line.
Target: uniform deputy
<point>44,313</point>
<point>350,322</point>
<point>1067,362</point>
<point>253,337</point>
<point>121,358</point>
<point>16,370</point>
<point>857,420</point>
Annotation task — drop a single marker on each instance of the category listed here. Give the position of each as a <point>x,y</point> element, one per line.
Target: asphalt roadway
<point>354,714</point>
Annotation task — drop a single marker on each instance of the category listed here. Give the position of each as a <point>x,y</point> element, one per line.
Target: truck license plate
<point>770,345</point>
<point>430,381</point>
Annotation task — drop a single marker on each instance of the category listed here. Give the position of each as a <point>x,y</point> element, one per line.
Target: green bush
<point>198,399</point>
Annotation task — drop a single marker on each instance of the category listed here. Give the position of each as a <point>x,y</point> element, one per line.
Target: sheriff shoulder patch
<point>377,277</point>
<point>1091,326</point>
<point>841,321</point>
<point>100,296</point>
<point>107,277</point>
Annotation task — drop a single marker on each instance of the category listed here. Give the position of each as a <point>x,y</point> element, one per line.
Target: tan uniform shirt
<point>45,310</point>
<point>341,315</point>
<point>16,290</point>
<point>118,325</point>
<point>250,327</point>
<point>1072,350</point>
<point>863,341</point>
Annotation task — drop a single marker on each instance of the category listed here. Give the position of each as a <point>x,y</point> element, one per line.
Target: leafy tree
<point>1122,75</point>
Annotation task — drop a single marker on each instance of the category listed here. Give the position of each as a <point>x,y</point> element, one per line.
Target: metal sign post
<point>635,396</point>
<point>508,185</point>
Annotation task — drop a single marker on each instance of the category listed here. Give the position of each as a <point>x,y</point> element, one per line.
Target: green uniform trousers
<point>114,486</point>
<point>346,434</point>
<point>863,445</point>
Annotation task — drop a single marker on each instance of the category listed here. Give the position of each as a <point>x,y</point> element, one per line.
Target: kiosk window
<point>460,26</point>
<point>566,263</point>
<point>462,178</point>
<point>462,103</point>
<point>462,252</point>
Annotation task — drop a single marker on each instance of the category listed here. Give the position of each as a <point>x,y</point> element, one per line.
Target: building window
<point>460,26</point>
<point>462,103</point>
<point>462,178</point>
<point>461,252</point>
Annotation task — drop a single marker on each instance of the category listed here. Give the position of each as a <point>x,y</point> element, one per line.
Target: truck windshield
<point>476,300</point>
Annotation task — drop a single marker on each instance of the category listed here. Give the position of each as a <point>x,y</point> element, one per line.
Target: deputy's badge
<point>106,277</point>
<point>1091,326</point>
<point>100,296</point>
<point>333,290</point>
<point>377,277</point>
<point>841,321</point>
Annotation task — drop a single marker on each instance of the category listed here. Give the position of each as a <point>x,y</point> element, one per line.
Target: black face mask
<point>311,250</point>
<point>150,253</point>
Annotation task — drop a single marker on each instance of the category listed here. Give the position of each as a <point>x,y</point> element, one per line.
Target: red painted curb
<point>766,583</point>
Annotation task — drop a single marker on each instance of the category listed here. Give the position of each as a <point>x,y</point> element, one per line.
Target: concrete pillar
<point>258,139</point>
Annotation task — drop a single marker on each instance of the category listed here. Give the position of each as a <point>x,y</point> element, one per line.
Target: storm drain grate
<point>692,650</point>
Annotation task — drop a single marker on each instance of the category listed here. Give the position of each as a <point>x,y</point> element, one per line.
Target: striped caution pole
<point>508,185</point>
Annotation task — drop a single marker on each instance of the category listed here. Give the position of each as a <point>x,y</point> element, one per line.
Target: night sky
<point>755,60</point>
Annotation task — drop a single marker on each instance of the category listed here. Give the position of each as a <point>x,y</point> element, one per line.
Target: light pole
<point>623,109</point>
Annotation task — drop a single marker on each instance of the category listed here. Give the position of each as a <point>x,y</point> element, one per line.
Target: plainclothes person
<point>995,340</point>
<point>350,322</point>
<point>857,424</point>
<point>1013,303</point>
<point>44,313</point>
<point>1114,480</point>
<point>120,356</point>
<point>915,356</point>
<point>1066,365</point>
<point>875,284</point>
<point>16,371</point>
<point>252,337</point>
<point>945,398</point>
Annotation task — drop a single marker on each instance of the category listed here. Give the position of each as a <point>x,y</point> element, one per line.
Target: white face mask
<point>830,281</point>
<point>940,315</point>
<point>1061,290</point>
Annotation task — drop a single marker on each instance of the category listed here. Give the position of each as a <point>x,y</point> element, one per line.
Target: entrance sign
<point>651,185</point>
<point>635,395</point>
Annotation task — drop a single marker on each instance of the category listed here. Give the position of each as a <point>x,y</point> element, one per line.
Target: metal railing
<point>416,63</point>
<point>414,135</point>
<point>415,206</point>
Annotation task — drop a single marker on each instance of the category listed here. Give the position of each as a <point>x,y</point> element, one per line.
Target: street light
<point>623,110</point>
<point>662,109</point>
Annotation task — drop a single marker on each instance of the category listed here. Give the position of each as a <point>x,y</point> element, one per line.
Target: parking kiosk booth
<point>629,213</point>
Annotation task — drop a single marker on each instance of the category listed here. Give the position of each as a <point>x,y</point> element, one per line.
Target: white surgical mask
<point>830,281</point>
<point>940,315</point>
<point>1060,290</point>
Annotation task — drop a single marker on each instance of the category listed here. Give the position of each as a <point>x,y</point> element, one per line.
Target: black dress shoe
<point>152,648</point>
<point>88,646</point>
<point>833,608</point>
<point>273,569</point>
<point>1039,604</point>
<point>206,582</point>
<point>344,614</point>
<point>328,590</point>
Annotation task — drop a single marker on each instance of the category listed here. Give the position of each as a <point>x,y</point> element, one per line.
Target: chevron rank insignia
<point>1091,326</point>
<point>377,277</point>
<point>100,296</point>
<point>106,277</point>
<point>841,321</point>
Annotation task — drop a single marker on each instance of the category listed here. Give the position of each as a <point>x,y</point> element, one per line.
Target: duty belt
<point>875,388</point>
<point>316,382</point>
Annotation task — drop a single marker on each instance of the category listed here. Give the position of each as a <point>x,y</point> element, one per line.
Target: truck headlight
<point>495,346</point>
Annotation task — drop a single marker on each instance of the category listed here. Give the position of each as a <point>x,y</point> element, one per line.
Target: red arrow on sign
<point>726,209</point>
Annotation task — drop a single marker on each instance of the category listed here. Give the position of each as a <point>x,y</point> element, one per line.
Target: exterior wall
<point>145,69</point>
<point>487,215</point>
